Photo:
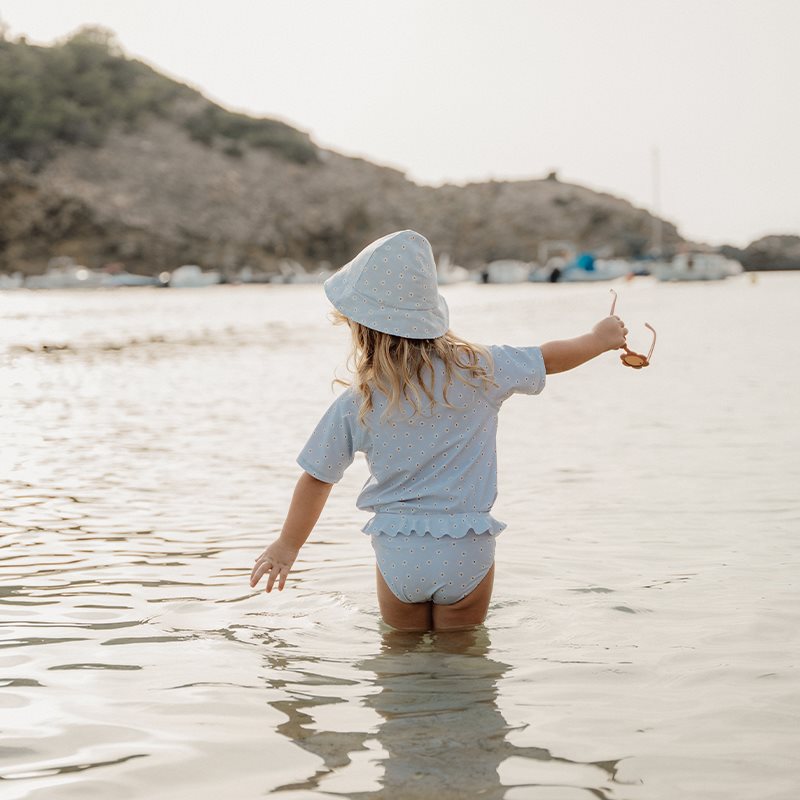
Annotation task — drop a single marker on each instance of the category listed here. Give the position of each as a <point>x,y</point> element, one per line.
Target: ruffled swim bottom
<point>421,567</point>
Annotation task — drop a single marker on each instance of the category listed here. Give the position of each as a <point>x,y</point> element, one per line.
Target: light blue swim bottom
<point>420,567</point>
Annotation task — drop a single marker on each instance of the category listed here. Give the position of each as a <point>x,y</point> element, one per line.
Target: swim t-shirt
<point>435,470</point>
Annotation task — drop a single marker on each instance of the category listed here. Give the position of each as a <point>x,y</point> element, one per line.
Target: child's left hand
<point>277,559</point>
<point>611,333</point>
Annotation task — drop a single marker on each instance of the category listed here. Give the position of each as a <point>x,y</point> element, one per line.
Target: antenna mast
<point>657,232</point>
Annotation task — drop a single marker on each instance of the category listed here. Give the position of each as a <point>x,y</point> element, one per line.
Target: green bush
<point>73,92</point>
<point>214,123</point>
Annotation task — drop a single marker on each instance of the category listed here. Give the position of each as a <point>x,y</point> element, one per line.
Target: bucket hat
<point>391,286</point>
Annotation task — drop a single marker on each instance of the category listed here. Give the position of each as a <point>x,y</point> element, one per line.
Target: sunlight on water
<point>642,638</point>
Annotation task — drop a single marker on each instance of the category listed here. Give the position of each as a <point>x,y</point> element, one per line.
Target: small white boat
<point>549,272</point>
<point>581,270</point>
<point>248,274</point>
<point>604,270</point>
<point>613,268</point>
<point>190,276</point>
<point>63,273</point>
<point>124,278</point>
<point>505,271</point>
<point>448,272</point>
<point>291,271</point>
<point>697,267</point>
<point>318,276</point>
<point>14,281</point>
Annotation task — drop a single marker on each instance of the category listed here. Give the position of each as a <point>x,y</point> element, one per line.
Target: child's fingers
<point>274,572</point>
<point>277,572</point>
<point>258,572</point>
<point>259,562</point>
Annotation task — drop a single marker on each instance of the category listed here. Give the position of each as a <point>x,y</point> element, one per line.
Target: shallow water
<point>642,641</point>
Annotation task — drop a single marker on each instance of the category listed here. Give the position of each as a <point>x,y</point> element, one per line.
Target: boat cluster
<point>585,268</point>
<point>63,273</point>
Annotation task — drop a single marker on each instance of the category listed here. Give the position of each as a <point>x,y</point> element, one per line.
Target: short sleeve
<point>331,448</point>
<point>517,370</point>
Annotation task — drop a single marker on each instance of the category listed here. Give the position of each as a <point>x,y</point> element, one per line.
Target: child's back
<point>434,471</point>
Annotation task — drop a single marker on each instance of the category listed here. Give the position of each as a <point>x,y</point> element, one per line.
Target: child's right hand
<point>611,333</point>
<point>276,560</point>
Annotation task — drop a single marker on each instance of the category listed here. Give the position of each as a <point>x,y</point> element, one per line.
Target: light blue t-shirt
<point>435,471</point>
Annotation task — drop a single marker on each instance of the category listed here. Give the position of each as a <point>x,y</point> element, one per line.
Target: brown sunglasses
<point>629,358</point>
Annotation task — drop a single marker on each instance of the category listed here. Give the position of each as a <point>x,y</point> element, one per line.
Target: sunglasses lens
<point>634,360</point>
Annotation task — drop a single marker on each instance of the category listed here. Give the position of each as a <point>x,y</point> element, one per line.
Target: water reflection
<point>441,730</point>
<point>643,611</point>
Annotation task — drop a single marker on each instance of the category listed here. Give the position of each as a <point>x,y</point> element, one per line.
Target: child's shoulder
<point>496,355</point>
<point>517,369</point>
<point>512,352</point>
<point>348,398</point>
<point>348,403</point>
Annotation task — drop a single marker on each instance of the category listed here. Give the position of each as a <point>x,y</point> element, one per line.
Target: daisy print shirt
<point>434,471</point>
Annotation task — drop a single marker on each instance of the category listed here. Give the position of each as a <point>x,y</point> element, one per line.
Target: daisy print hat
<point>391,286</point>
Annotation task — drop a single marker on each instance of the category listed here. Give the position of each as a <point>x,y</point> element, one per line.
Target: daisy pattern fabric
<point>391,286</point>
<point>434,472</point>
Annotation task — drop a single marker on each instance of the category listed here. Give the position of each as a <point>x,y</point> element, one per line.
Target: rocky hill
<point>768,252</point>
<point>103,159</point>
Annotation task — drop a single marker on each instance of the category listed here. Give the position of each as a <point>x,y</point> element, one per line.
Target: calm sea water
<point>643,639</point>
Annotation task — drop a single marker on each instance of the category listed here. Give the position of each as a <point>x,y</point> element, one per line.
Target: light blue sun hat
<point>391,286</point>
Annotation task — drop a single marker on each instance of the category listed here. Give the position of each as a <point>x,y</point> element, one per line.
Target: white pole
<point>657,228</point>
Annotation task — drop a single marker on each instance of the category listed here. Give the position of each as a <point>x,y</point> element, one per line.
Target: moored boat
<point>505,271</point>
<point>583,269</point>
<point>13,281</point>
<point>448,272</point>
<point>192,276</point>
<point>696,267</point>
<point>64,273</point>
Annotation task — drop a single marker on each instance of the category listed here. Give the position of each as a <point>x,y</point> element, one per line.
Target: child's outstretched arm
<point>608,334</point>
<point>308,500</point>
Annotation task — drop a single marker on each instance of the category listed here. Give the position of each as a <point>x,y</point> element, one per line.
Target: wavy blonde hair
<point>395,364</point>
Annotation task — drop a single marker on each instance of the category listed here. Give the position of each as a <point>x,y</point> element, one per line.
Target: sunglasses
<point>629,358</point>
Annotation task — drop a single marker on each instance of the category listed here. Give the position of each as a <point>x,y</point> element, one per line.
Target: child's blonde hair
<point>392,364</point>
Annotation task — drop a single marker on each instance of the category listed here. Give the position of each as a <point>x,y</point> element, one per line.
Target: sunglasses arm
<point>652,346</point>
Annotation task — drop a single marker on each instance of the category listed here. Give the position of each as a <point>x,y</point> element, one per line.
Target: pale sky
<point>466,90</point>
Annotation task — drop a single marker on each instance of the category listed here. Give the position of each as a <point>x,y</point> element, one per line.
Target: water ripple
<point>148,456</point>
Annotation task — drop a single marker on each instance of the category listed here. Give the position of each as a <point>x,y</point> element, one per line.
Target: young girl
<point>423,409</point>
